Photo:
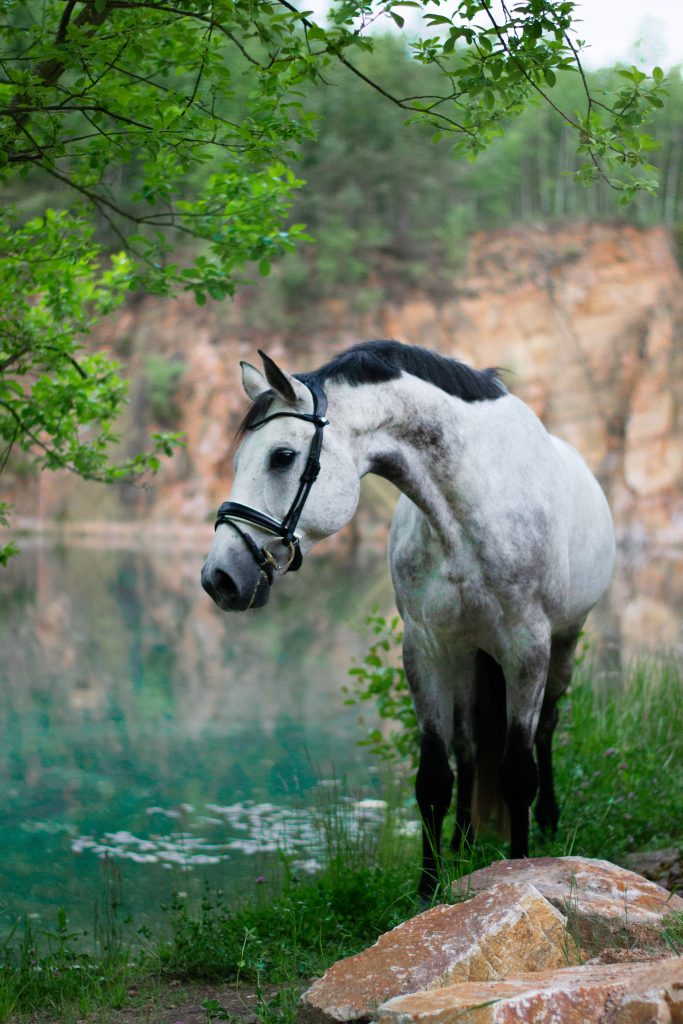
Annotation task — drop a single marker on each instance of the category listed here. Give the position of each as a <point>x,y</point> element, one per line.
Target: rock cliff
<point>587,320</point>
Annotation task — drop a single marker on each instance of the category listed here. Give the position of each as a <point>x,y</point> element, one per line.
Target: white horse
<point>501,544</point>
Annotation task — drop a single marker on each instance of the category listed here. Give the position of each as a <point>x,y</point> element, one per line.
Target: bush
<point>162,380</point>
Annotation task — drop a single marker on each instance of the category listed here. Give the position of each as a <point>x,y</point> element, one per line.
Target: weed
<point>298,933</point>
<point>214,1011</point>
<point>571,939</point>
<point>672,932</point>
<point>48,970</point>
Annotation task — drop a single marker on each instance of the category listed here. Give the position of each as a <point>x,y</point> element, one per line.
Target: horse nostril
<point>218,584</point>
<point>224,585</point>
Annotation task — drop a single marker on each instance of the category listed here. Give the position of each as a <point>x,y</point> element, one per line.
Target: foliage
<point>146,89</point>
<point>299,932</point>
<point>108,82</point>
<point>391,211</point>
<point>168,133</point>
<point>673,932</point>
<point>59,402</point>
<point>10,549</point>
<point>297,925</point>
<point>163,377</point>
<point>51,390</point>
<point>380,678</point>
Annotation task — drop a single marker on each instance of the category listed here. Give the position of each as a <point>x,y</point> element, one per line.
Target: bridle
<point>232,512</point>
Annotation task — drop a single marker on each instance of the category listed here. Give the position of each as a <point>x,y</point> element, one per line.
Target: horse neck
<point>410,433</point>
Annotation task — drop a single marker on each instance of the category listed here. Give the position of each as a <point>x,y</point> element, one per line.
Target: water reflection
<point>131,707</point>
<point>138,722</point>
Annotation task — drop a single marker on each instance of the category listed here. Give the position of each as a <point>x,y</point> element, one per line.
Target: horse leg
<point>434,782</point>
<point>463,833</point>
<point>525,686</point>
<point>547,812</point>
<point>433,790</point>
<point>466,674</point>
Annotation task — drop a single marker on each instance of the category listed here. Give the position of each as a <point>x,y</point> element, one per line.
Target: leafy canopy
<point>157,139</point>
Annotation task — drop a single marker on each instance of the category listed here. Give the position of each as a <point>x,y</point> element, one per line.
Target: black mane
<point>374,362</point>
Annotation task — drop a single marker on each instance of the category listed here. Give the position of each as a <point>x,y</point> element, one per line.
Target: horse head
<point>295,483</point>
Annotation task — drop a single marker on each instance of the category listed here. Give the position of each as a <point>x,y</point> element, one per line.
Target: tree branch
<point>49,71</point>
<point>64,22</point>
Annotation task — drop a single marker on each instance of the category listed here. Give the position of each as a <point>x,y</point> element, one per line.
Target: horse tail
<point>488,807</point>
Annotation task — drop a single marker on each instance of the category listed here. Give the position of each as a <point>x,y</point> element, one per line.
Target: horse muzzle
<point>237,590</point>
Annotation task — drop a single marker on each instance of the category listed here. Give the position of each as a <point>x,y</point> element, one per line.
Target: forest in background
<point>386,200</point>
<point>382,200</point>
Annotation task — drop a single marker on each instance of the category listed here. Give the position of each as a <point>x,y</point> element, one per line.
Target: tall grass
<point>619,760</point>
<point>365,887</point>
<point>46,970</point>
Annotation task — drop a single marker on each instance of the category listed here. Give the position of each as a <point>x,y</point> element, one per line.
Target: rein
<point>232,512</point>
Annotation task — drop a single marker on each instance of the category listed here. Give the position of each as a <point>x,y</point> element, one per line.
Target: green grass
<point>619,761</point>
<point>673,933</point>
<point>619,772</point>
<point>46,970</point>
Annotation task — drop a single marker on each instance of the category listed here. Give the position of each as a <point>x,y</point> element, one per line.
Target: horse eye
<point>281,458</point>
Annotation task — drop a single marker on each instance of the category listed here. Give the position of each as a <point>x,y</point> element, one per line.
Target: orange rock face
<point>508,928</point>
<point>586,317</point>
<point>608,994</point>
<point>602,901</point>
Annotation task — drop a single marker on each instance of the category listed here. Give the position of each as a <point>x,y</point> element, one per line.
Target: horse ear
<point>253,381</point>
<point>288,387</point>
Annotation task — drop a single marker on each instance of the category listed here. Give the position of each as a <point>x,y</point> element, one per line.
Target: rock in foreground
<point>604,904</point>
<point>608,994</point>
<point>509,928</point>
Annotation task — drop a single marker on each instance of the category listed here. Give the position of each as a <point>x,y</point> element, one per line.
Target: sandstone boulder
<point>509,928</point>
<point>604,904</point>
<point>608,994</point>
<point>662,866</point>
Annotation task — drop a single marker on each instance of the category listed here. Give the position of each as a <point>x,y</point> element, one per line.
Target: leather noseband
<point>232,512</point>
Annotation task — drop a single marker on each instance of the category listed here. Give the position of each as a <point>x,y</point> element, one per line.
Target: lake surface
<point>140,726</point>
<point>140,723</point>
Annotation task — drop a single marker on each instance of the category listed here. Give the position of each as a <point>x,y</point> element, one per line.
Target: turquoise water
<point>140,726</point>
